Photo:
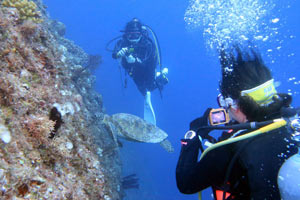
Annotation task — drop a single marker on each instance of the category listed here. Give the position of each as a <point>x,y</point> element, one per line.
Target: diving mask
<point>262,94</point>
<point>226,102</point>
<point>134,36</point>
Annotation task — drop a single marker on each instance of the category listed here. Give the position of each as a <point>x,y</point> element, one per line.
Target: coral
<point>130,182</point>
<point>94,61</point>
<point>4,134</point>
<point>50,155</point>
<point>28,29</point>
<point>26,8</point>
<point>39,129</point>
<point>6,91</point>
<point>23,189</point>
<point>55,116</point>
<point>58,27</point>
<point>66,109</point>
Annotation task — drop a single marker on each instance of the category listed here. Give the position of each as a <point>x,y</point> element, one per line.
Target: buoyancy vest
<point>219,194</point>
<point>287,168</point>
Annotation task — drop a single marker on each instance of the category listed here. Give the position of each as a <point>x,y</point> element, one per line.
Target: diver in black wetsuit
<point>248,168</point>
<point>138,56</point>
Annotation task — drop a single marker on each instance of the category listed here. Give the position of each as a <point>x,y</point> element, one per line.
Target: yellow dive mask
<point>262,94</point>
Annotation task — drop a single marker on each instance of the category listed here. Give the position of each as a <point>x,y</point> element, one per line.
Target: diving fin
<point>149,114</point>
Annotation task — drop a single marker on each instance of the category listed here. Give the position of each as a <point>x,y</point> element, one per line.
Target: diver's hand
<point>191,139</point>
<point>165,71</point>
<point>130,59</point>
<point>122,52</point>
<point>200,122</point>
<point>138,60</point>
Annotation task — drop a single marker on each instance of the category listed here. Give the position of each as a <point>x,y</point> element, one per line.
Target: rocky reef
<point>53,141</point>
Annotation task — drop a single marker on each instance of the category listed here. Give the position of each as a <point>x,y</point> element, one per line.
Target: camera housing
<point>218,116</point>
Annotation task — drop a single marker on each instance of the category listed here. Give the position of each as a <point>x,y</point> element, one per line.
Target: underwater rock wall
<point>53,143</point>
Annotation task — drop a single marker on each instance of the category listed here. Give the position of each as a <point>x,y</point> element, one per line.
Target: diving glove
<point>200,122</point>
<point>165,71</point>
<point>122,52</point>
<point>130,59</point>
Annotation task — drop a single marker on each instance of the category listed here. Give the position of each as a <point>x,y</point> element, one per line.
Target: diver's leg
<point>149,114</point>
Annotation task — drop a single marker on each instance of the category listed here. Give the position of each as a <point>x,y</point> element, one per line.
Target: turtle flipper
<point>166,144</point>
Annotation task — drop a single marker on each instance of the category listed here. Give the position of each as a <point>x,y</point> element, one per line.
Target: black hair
<point>133,26</point>
<point>246,70</point>
<point>241,72</point>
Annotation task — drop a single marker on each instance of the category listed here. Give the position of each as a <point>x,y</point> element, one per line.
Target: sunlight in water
<point>225,22</point>
<point>261,23</point>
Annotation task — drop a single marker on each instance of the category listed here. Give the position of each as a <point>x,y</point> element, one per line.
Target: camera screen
<point>218,117</point>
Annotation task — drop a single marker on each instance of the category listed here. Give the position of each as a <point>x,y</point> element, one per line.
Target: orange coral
<point>23,189</point>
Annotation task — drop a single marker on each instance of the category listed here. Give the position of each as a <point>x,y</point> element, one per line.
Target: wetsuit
<point>255,164</point>
<point>143,73</point>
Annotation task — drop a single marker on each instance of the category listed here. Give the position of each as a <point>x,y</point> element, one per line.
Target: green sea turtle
<point>133,128</point>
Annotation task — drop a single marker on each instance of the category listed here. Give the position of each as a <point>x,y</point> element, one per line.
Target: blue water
<point>194,73</point>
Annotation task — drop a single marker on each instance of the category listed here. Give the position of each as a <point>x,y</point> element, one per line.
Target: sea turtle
<point>133,128</point>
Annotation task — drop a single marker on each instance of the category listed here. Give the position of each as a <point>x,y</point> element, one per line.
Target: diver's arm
<point>117,48</point>
<point>186,169</point>
<point>149,55</point>
<point>192,175</point>
<point>114,55</point>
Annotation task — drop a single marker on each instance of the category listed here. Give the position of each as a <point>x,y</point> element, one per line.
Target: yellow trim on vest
<point>199,196</point>
<point>263,93</point>
<point>276,124</point>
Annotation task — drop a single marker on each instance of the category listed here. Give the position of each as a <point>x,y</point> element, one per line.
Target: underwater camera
<point>218,116</point>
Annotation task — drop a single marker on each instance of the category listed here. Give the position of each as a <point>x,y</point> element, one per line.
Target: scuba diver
<point>139,56</point>
<point>263,133</point>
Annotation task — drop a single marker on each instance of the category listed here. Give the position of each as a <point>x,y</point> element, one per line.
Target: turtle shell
<point>137,129</point>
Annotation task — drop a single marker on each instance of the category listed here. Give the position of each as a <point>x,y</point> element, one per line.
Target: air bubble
<point>227,22</point>
<point>275,20</point>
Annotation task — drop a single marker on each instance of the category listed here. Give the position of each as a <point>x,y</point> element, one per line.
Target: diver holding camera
<point>211,117</point>
<point>138,52</point>
<point>250,160</point>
